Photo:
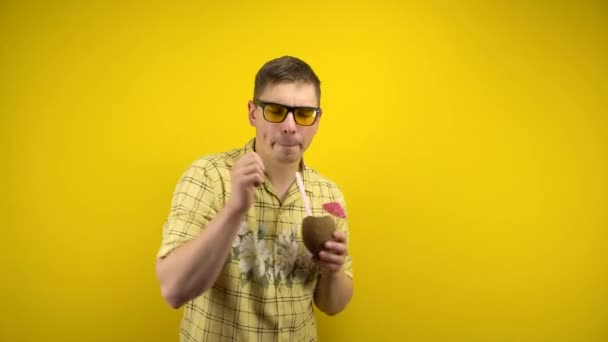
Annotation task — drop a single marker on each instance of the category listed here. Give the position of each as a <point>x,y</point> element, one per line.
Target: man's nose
<point>288,126</point>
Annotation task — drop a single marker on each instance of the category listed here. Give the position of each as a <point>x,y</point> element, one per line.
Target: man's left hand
<point>333,255</point>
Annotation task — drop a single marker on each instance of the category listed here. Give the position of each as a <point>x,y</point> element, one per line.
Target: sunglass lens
<point>274,113</point>
<point>305,116</point>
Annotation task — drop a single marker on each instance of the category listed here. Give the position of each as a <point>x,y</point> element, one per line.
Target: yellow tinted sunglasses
<point>275,112</point>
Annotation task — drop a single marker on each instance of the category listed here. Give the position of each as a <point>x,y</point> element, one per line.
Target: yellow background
<point>470,139</point>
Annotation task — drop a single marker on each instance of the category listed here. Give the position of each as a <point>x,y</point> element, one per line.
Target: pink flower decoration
<point>335,209</point>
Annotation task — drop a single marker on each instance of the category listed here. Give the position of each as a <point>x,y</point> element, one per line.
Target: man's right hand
<point>247,175</point>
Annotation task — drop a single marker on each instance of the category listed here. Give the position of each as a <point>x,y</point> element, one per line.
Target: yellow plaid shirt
<point>265,290</point>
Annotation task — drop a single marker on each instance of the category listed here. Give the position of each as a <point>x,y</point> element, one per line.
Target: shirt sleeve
<point>194,204</point>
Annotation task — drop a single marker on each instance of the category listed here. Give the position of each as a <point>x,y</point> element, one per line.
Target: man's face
<point>284,142</point>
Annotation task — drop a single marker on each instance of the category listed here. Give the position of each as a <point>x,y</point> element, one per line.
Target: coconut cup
<point>316,231</point>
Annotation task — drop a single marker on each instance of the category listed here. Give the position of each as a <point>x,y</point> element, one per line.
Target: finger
<point>339,236</point>
<point>247,176</point>
<point>327,266</point>
<point>254,154</point>
<point>247,170</point>
<point>330,258</point>
<point>335,247</point>
<point>254,179</point>
<point>256,162</point>
<point>255,158</point>
<point>249,159</point>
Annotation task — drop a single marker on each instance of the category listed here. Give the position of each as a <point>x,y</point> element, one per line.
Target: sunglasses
<point>303,116</point>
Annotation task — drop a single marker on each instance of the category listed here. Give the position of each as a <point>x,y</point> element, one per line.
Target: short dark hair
<point>285,69</point>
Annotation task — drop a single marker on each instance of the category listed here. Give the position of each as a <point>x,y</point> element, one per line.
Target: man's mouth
<point>287,143</point>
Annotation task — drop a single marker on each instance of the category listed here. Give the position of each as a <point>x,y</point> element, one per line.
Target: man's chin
<point>289,157</point>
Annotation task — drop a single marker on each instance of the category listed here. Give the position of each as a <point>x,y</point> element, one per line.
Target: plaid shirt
<point>265,290</point>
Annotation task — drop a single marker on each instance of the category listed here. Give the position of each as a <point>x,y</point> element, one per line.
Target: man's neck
<point>281,176</point>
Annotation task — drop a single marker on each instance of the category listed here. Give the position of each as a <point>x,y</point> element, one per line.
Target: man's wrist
<point>330,275</point>
<point>234,211</point>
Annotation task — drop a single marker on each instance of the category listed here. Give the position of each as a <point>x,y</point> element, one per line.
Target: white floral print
<point>243,229</point>
<point>286,255</point>
<point>253,255</point>
<point>257,262</point>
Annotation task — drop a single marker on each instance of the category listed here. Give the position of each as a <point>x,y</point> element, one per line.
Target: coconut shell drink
<point>316,231</point>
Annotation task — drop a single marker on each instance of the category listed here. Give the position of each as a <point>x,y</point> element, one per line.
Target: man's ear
<point>251,107</point>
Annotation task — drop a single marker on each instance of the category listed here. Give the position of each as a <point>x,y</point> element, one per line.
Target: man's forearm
<point>192,268</point>
<point>333,292</point>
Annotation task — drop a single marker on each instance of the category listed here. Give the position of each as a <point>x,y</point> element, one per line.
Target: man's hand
<point>334,288</point>
<point>247,175</point>
<point>333,255</point>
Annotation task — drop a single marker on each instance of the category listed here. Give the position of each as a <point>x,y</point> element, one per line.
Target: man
<point>232,247</point>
